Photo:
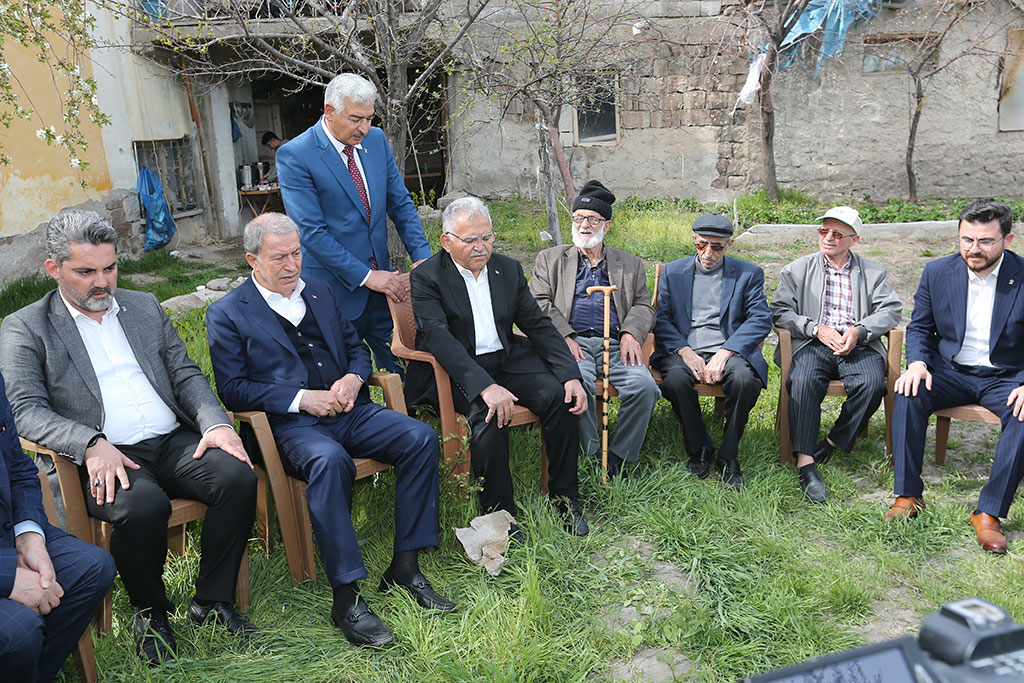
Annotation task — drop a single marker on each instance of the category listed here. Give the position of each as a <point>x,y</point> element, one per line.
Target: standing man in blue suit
<point>50,582</point>
<point>279,344</point>
<point>964,346</point>
<point>339,181</point>
<point>712,316</point>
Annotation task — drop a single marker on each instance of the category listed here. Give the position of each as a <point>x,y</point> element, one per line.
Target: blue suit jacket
<point>254,363</point>
<point>20,497</point>
<point>936,330</point>
<point>746,319</point>
<point>338,242</point>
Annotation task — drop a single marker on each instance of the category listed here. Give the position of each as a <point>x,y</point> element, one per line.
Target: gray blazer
<point>800,300</point>
<point>554,283</point>
<point>52,386</point>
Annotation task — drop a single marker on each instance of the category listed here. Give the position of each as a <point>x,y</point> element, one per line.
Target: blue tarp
<point>835,17</point>
<point>159,224</point>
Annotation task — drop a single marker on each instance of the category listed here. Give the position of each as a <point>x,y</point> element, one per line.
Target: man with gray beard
<point>560,280</point>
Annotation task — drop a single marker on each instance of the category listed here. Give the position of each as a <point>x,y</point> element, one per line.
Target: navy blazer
<point>935,333</point>
<point>255,364</point>
<point>745,317</point>
<point>338,243</point>
<point>21,499</point>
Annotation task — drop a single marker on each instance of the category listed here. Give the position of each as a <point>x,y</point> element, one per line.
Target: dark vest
<point>309,343</point>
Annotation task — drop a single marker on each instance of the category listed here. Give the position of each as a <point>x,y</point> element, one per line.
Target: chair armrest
<point>71,492</point>
<point>785,353</point>
<point>894,356</point>
<point>391,384</point>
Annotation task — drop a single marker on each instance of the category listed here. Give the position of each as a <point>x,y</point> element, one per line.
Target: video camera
<point>967,641</point>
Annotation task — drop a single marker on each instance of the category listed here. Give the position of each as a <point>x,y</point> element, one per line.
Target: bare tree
<point>402,46</point>
<point>941,36</point>
<point>555,54</point>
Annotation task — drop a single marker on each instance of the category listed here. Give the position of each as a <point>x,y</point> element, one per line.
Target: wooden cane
<point>604,399</point>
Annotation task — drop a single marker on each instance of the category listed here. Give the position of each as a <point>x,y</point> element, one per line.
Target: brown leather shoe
<point>990,535</point>
<point>905,507</point>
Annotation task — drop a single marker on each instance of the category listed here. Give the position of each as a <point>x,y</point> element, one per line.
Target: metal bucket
<point>245,175</point>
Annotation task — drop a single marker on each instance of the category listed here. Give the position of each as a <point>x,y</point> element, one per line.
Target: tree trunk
<point>768,173</point>
<point>551,202</point>
<point>551,118</point>
<point>396,126</point>
<point>912,137</point>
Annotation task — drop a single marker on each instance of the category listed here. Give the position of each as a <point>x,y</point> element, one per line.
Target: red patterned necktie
<point>357,178</point>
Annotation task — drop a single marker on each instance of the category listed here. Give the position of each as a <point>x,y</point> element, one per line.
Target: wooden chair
<point>454,428</point>
<point>972,412</point>
<point>85,658</point>
<point>289,493</point>
<point>97,532</point>
<point>835,388</point>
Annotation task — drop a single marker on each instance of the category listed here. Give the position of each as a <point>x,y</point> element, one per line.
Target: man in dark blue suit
<point>280,344</point>
<point>51,583</point>
<point>339,182</point>
<point>963,346</point>
<point>712,316</point>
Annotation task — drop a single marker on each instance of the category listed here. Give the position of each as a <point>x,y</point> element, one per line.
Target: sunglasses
<point>836,235</point>
<point>704,244</point>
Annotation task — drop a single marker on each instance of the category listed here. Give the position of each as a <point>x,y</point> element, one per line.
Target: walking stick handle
<point>600,288</point>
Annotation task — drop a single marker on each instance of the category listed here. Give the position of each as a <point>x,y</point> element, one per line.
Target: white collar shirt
<point>981,298</point>
<point>479,290</point>
<point>292,309</point>
<point>132,409</point>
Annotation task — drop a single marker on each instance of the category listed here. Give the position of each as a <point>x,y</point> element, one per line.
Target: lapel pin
<point>1011,280</point>
<point>313,295</point>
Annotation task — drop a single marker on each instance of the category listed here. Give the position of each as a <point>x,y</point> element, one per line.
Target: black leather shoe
<point>222,613</point>
<point>822,452</point>
<point>729,470</point>
<point>572,514</point>
<point>700,464</point>
<point>154,640</point>
<point>420,588</point>
<point>360,625</point>
<point>515,535</point>
<point>811,483</point>
<point>615,466</point>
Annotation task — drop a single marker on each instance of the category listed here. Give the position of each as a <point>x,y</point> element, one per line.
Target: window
<point>171,160</point>
<point>597,120</point>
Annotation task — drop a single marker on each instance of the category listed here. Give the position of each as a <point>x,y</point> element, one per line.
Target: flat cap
<point>713,224</point>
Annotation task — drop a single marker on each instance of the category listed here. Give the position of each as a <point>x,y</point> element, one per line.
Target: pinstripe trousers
<point>863,374</point>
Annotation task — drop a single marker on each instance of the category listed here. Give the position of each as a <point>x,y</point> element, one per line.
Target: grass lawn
<point>736,583</point>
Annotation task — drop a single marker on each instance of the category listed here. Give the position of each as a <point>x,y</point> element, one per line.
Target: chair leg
<point>305,531</point>
<point>720,407</point>
<point>104,618</point>
<point>544,474</point>
<point>264,505</point>
<point>888,405</point>
<point>176,540</point>
<point>782,417</point>
<point>941,437</point>
<point>85,658</point>
<point>242,587</point>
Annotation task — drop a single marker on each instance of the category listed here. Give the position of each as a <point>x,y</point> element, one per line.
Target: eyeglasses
<point>983,243</point>
<point>836,235</point>
<point>592,221</point>
<point>704,244</point>
<point>479,239</point>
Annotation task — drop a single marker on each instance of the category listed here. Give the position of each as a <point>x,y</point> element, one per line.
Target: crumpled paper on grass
<point>485,539</point>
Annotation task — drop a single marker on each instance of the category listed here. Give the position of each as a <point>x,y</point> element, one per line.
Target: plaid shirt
<point>838,309</point>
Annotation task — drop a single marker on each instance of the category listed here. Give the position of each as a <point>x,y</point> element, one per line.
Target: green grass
<point>773,580</point>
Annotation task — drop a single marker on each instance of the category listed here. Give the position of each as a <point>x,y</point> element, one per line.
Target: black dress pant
<point>139,515</point>
<point>542,393</point>
<point>741,385</point>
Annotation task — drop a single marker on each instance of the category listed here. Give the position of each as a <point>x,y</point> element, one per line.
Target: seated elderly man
<point>712,317</point>
<point>837,305</point>
<point>50,582</point>
<point>105,382</point>
<point>280,344</point>
<point>560,280</point>
<point>964,346</point>
<point>466,300</point>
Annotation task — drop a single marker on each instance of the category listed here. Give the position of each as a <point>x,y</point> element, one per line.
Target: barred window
<point>171,160</point>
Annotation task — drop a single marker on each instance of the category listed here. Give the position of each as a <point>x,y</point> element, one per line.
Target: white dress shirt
<point>479,291</point>
<point>292,309</point>
<point>981,298</point>
<point>132,409</point>
<point>340,147</point>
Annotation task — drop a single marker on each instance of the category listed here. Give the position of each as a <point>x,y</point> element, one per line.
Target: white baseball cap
<point>844,214</point>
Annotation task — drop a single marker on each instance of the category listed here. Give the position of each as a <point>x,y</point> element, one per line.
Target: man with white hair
<point>560,280</point>
<point>339,181</point>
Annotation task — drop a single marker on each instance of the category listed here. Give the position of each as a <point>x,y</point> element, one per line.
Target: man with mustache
<point>560,280</point>
<point>963,346</point>
<point>466,300</point>
<point>837,305</point>
<point>712,317</point>
<point>100,376</point>
<point>340,183</point>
